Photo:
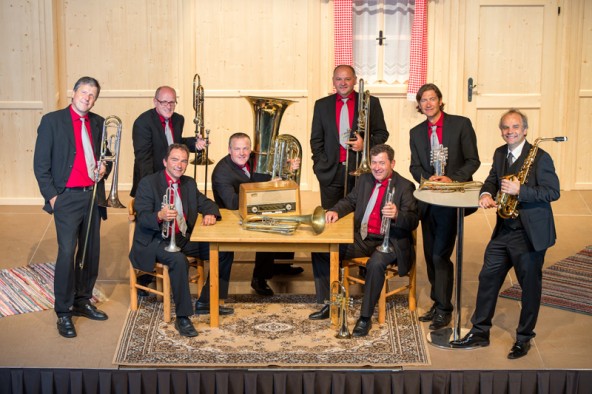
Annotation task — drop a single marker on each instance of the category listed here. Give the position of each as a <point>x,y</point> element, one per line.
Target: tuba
<point>506,203</point>
<point>267,115</point>
<point>363,128</point>
<point>285,224</point>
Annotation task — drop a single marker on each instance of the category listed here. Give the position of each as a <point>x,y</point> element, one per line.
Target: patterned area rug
<point>29,289</point>
<point>270,332</point>
<point>566,284</point>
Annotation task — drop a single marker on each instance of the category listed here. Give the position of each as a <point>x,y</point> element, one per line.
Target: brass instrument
<point>286,148</point>
<point>285,224</point>
<point>506,203</point>
<point>109,152</point>
<point>201,157</point>
<point>450,187</point>
<point>364,127</point>
<point>168,228</point>
<point>339,298</point>
<point>385,226</point>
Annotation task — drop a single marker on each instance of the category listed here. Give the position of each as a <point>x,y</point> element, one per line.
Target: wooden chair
<point>391,272</point>
<point>160,273</point>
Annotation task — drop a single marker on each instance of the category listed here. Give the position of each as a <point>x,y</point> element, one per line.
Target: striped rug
<point>566,284</point>
<point>29,289</point>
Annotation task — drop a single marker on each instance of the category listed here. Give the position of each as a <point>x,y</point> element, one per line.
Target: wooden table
<point>227,235</point>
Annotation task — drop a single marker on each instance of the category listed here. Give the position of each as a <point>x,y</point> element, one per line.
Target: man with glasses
<point>154,131</point>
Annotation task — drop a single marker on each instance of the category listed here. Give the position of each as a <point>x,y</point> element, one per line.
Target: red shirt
<point>79,174</point>
<point>350,107</point>
<point>163,123</point>
<point>439,124</point>
<point>375,219</point>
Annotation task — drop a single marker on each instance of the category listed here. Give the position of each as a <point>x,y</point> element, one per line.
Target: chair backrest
<point>132,222</point>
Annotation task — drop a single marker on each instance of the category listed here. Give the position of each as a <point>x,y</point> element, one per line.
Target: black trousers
<point>438,228</point>
<point>72,285</point>
<point>265,261</point>
<point>510,248</point>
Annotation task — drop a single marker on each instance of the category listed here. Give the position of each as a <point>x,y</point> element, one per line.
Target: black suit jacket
<point>55,150</point>
<point>227,178</point>
<point>150,143</point>
<point>148,234</point>
<point>401,231</point>
<point>534,201</point>
<point>324,136</point>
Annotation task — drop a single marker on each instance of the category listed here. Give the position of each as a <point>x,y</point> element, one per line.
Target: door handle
<point>471,86</point>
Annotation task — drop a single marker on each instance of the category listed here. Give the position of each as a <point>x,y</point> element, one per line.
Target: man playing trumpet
<point>149,246</point>
<point>368,202</point>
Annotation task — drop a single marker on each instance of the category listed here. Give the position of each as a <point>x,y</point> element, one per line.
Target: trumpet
<point>339,298</point>
<point>385,226</point>
<point>109,153</point>
<point>168,228</point>
<point>285,224</point>
<point>449,187</point>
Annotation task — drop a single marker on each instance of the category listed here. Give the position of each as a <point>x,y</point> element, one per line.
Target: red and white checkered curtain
<point>344,41</point>
<point>418,67</point>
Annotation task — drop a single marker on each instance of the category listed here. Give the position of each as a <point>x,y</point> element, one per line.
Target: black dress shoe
<point>362,328</point>
<point>322,314</point>
<point>89,311</point>
<point>471,340</point>
<point>440,320</point>
<point>185,327</point>
<point>287,269</point>
<point>260,286</point>
<point>66,327</point>
<point>204,309</point>
<point>429,315</point>
<point>520,349</point>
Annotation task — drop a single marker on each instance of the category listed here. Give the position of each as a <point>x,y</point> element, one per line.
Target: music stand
<point>459,200</point>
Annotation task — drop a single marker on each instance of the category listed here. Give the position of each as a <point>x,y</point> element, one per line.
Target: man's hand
<point>331,217</point>
<point>167,214</point>
<point>102,170</point>
<point>208,220</point>
<point>441,178</point>
<point>357,145</point>
<point>389,210</point>
<point>200,143</point>
<point>511,187</point>
<point>294,163</point>
<point>485,201</point>
<point>52,201</point>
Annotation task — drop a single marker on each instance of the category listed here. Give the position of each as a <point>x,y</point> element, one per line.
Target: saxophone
<point>506,203</point>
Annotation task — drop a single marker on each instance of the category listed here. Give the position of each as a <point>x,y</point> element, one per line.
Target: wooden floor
<point>28,236</point>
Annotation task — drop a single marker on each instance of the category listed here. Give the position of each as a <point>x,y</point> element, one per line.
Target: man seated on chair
<point>368,201</point>
<point>149,245</point>
<point>232,171</point>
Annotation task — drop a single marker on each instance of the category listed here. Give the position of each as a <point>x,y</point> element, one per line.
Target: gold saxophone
<point>506,203</point>
<point>426,184</point>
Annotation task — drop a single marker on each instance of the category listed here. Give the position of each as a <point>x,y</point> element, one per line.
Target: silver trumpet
<point>385,226</point>
<point>168,228</point>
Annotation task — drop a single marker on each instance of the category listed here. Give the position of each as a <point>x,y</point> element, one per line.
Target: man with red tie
<point>65,163</point>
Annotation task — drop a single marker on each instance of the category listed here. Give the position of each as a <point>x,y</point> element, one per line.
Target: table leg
<point>214,284</point>
<point>442,337</point>
<point>334,276</point>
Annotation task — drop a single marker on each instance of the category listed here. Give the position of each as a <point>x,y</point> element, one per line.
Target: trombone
<point>201,158</point>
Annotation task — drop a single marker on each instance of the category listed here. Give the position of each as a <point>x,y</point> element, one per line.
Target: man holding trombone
<point>384,207</point>
<point>177,217</point>
<point>67,171</point>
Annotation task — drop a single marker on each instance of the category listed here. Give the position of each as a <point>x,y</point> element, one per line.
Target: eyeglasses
<point>167,103</point>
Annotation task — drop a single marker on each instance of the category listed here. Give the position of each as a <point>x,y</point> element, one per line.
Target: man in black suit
<point>438,228</point>
<point>149,245</point>
<point>232,171</point>
<point>402,212</point>
<point>335,119</point>
<point>520,242</point>
<point>149,135</point>
<point>65,163</point>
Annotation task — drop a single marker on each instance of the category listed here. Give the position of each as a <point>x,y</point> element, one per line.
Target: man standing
<point>149,245</point>
<point>65,163</point>
<point>520,242</point>
<point>368,200</point>
<point>456,134</point>
<point>232,171</point>
<point>335,119</point>
<point>154,131</point>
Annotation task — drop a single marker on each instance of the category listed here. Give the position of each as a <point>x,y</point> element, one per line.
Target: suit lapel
<point>68,127</point>
<point>159,129</point>
<point>446,130</point>
<point>333,130</point>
